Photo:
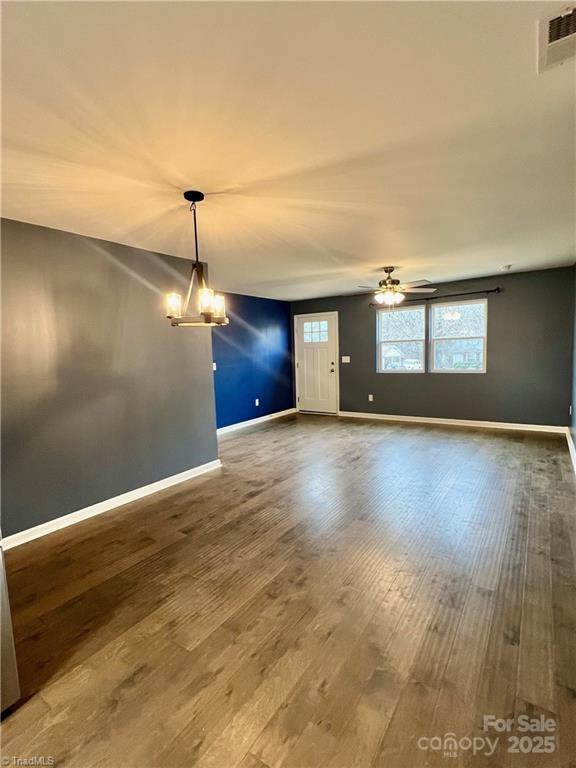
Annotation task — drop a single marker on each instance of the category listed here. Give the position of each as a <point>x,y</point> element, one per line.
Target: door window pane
<point>315,331</point>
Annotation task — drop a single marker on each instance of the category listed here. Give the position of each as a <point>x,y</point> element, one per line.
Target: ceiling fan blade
<point>416,284</point>
<point>418,290</point>
<point>368,287</point>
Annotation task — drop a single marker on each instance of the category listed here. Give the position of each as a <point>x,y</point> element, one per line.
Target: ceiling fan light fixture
<point>392,292</point>
<point>390,297</point>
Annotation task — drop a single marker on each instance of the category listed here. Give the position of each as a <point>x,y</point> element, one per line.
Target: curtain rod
<point>452,295</point>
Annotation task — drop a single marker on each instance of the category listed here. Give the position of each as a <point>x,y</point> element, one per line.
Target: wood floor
<point>337,592</point>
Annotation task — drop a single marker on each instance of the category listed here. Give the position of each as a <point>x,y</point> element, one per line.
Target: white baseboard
<point>571,449</point>
<point>252,422</point>
<point>458,422</point>
<point>125,498</point>
<point>104,506</point>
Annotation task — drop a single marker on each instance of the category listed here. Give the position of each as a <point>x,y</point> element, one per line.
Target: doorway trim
<point>297,343</point>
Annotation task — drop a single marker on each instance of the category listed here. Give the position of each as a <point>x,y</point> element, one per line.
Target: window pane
<point>402,356</point>
<point>459,320</point>
<point>459,355</point>
<point>315,332</point>
<point>397,324</point>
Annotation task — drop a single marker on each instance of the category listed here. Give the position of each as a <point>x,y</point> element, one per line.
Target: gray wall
<point>529,371</point>
<point>100,394</point>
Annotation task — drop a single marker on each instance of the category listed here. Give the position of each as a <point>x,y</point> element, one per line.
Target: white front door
<point>316,349</point>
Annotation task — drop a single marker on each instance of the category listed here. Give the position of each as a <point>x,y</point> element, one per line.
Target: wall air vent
<point>557,39</point>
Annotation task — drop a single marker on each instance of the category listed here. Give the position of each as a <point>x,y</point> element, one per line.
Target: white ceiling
<point>333,138</point>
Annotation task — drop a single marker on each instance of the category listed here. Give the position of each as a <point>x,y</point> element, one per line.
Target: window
<point>400,334</point>
<point>458,337</point>
<point>315,331</point>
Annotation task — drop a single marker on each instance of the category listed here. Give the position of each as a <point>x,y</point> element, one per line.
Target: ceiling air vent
<point>557,39</point>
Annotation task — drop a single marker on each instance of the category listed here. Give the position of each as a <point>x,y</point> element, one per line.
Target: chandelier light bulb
<point>219,305</point>
<point>173,305</point>
<point>206,301</point>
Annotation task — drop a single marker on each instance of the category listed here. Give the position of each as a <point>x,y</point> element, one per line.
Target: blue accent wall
<point>253,357</point>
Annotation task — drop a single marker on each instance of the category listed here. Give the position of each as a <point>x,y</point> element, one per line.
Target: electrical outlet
<point>370,398</point>
<point>213,366</point>
<point>257,401</point>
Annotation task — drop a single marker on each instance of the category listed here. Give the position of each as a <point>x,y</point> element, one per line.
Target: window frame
<point>432,341</point>
<point>380,341</point>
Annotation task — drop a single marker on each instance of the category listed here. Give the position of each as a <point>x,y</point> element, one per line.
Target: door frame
<point>297,344</point>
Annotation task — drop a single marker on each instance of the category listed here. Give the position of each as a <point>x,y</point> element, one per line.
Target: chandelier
<point>200,298</point>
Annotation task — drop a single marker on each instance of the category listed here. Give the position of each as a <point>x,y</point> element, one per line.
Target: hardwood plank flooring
<point>337,592</point>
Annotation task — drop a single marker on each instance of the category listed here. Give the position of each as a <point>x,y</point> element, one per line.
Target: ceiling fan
<point>391,291</point>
